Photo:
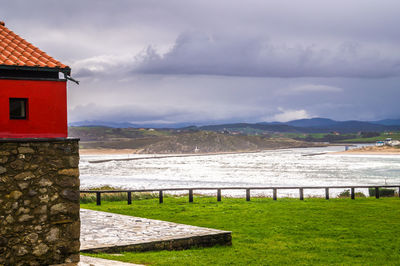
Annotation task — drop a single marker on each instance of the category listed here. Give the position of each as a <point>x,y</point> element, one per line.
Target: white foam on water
<point>288,167</point>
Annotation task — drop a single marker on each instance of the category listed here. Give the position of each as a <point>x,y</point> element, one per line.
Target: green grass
<point>86,198</point>
<point>343,138</point>
<point>383,136</point>
<point>364,231</point>
<point>304,135</point>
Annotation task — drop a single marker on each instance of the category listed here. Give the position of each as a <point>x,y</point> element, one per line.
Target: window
<point>18,108</point>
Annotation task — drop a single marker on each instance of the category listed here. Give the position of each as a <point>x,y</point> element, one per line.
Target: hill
<point>388,122</point>
<point>206,142</point>
<point>176,141</point>
<point>313,125</point>
<point>313,122</point>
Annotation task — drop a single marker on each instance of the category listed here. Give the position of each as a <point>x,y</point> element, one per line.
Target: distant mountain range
<point>325,122</point>
<point>313,125</point>
<point>387,122</point>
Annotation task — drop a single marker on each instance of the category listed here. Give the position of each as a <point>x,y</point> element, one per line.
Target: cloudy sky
<point>217,61</point>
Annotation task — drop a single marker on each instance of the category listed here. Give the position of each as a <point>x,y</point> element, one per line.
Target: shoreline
<point>372,150</point>
<point>133,151</point>
<point>170,155</point>
<point>138,151</point>
<point>107,151</point>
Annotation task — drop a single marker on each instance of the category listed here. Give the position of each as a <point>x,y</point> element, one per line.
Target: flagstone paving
<point>109,232</point>
<point>89,261</point>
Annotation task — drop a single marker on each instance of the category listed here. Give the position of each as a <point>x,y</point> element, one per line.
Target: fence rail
<point>247,189</point>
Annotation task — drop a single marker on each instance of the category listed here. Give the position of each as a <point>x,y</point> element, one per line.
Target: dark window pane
<point>18,108</point>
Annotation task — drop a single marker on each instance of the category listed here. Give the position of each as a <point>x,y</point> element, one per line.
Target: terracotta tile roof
<point>15,51</point>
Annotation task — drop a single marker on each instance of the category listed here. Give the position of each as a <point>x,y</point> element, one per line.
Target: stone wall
<point>39,201</point>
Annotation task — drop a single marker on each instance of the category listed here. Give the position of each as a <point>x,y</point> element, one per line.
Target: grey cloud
<point>310,88</point>
<point>157,114</point>
<point>84,73</point>
<point>196,53</point>
<point>94,27</point>
<point>129,113</point>
<point>214,99</point>
<point>220,60</point>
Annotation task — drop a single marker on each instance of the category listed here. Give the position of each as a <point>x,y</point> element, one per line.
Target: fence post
<point>190,195</point>
<point>219,194</point>
<point>377,192</point>
<point>247,194</point>
<point>274,193</point>
<point>160,196</point>
<point>129,197</point>
<point>399,192</point>
<point>326,193</point>
<point>98,198</point>
<point>301,194</point>
<point>352,193</point>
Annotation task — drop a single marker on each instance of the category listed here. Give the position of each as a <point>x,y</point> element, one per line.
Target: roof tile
<point>15,51</point>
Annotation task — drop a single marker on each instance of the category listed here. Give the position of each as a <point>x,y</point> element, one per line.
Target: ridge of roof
<point>17,52</point>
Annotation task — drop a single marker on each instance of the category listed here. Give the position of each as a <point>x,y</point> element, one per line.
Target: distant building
<point>388,141</point>
<point>33,90</point>
<point>38,158</point>
<point>380,143</point>
<point>395,143</point>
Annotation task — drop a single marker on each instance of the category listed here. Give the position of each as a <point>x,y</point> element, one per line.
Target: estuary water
<point>286,167</point>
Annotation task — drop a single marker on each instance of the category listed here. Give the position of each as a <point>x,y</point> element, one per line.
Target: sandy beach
<point>137,151</point>
<point>374,150</point>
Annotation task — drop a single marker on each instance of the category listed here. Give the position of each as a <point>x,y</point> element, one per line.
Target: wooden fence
<point>247,189</point>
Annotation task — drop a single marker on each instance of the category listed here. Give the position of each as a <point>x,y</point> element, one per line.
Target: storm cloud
<point>197,53</point>
<point>206,61</point>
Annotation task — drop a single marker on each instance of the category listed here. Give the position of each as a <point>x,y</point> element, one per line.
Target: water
<point>287,167</point>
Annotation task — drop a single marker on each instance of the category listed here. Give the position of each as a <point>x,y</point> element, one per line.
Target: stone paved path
<point>89,261</point>
<point>108,232</point>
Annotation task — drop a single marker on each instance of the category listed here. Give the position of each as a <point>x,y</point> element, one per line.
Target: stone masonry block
<point>39,202</point>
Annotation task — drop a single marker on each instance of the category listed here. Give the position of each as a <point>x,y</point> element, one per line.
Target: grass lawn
<point>383,136</point>
<point>365,231</point>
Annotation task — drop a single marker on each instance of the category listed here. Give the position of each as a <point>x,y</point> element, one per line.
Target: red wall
<point>47,109</point>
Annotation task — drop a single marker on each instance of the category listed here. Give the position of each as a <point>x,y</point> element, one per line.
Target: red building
<point>33,90</point>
